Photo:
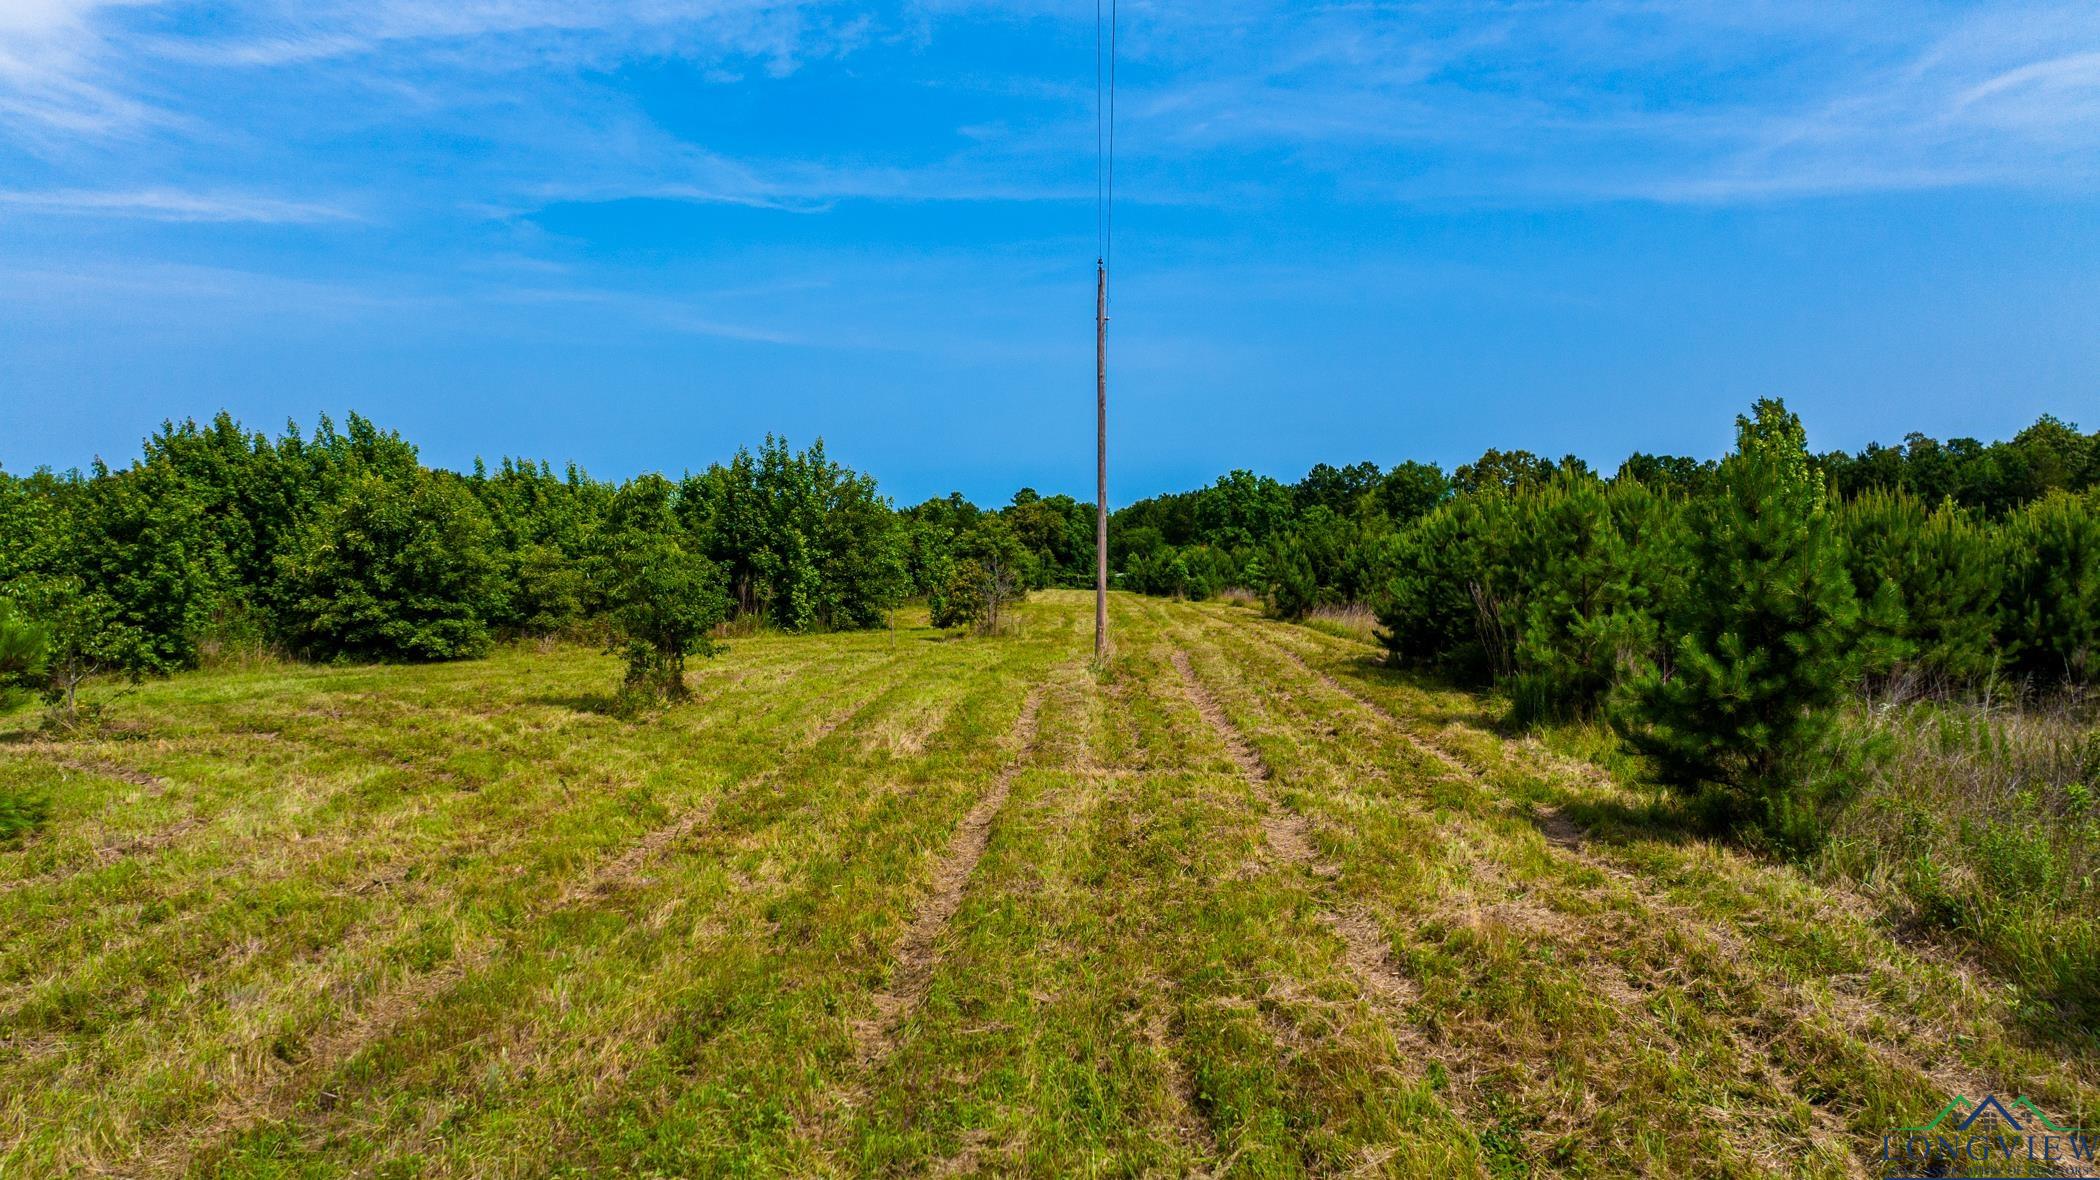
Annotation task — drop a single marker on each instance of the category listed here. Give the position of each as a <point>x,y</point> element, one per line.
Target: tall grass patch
<point>1984,821</point>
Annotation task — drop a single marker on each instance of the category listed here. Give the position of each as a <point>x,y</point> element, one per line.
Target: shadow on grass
<point>1446,700</point>
<point>600,704</point>
<point>1660,819</point>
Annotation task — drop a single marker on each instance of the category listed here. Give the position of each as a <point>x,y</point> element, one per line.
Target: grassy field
<point>892,903</point>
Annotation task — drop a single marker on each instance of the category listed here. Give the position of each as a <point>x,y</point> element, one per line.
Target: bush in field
<point>1446,600</point>
<point>1326,558</point>
<point>144,540</point>
<point>802,540</point>
<point>1932,575</point>
<point>543,528</point>
<point>665,601</point>
<point>1760,650</point>
<point>1058,532</point>
<point>25,657</point>
<point>860,554</point>
<point>992,571</point>
<point>114,568</point>
<point>392,568</point>
<point>25,653</point>
<point>546,592</point>
<point>1293,576</point>
<point>2049,608</point>
<point>1586,605</point>
<point>119,569</point>
<point>1163,571</point>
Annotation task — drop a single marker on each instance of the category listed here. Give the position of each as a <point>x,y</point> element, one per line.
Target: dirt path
<point>1288,835</point>
<point>918,953</point>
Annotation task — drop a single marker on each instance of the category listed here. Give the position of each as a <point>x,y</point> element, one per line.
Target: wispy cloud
<point>511,104</point>
<point>508,33</point>
<point>1610,100</point>
<point>54,75</point>
<point>164,204</point>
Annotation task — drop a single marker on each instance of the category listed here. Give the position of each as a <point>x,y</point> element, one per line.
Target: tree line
<point>342,544</point>
<point>1715,613</point>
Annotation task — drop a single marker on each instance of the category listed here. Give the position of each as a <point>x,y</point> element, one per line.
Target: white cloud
<point>1472,100</point>
<point>503,33</point>
<point>51,67</point>
<point>165,204</point>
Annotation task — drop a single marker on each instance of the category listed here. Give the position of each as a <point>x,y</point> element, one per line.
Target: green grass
<point>459,920</point>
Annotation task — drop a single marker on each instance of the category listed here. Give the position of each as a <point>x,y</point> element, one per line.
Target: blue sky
<point>639,235</point>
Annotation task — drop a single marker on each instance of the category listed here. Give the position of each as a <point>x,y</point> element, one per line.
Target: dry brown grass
<point>1354,621</point>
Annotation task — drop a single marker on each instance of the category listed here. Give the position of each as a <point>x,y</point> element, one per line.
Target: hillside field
<point>1242,903</point>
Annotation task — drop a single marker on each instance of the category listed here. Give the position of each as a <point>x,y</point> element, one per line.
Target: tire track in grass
<point>1046,1042</point>
<point>330,973</point>
<point>1288,836</point>
<point>1766,988</point>
<point>1320,1064</point>
<point>232,807</point>
<point>63,757</point>
<point>917,953</point>
<point>241,1112</point>
<point>1821,902</point>
<point>1627,997</point>
<point>1185,1105</point>
<point>1110,711</point>
<point>332,741</point>
<point>569,1140</point>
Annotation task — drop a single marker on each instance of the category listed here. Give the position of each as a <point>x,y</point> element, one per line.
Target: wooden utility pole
<point>1100,459</point>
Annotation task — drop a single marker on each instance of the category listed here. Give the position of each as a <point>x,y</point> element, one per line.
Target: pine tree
<point>1762,648</point>
<point>1928,582</point>
<point>1585,612</point>
<point>2049,613</point>
<point>1452,597</point>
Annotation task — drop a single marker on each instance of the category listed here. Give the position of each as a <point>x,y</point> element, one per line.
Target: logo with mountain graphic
<point>1992,1133</point>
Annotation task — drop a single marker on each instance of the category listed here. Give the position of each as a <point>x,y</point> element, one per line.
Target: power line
<point>1106,22</point>
<point>1104,243</point>
<point>1108,203</point>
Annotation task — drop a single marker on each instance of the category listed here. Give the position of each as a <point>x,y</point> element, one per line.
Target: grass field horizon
<point>1239,902</point>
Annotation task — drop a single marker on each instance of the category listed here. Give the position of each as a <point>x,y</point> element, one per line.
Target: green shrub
<point>21,814</point>
<point>1443,601</point>
<point>1931,580</point>
<point>1761,648</point>
<point>665,601</point>
<point>395,567</point>
<point>25,657</point>
<point>2049,610</point>
<point>993,571</point>
<point>801,539</point>
<point>1586,603</point>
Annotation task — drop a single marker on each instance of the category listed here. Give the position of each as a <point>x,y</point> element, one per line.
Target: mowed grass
<point>1238,903</point>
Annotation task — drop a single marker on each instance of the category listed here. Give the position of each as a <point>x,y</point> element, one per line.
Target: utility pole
<point>1100,459</point>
